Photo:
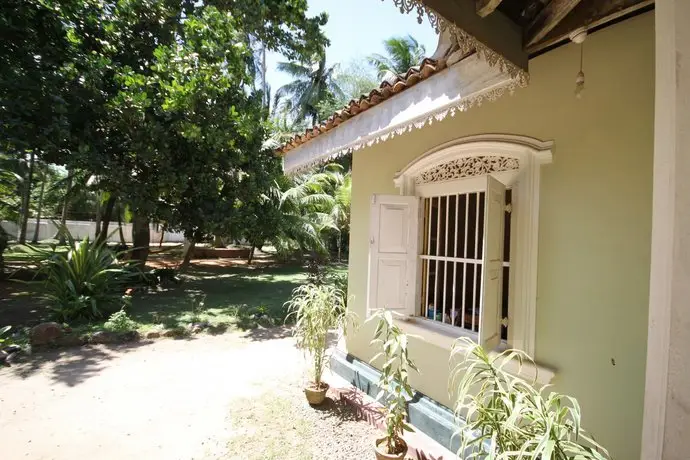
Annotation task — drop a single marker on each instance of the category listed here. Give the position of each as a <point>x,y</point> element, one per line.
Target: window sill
<point>442,337</point>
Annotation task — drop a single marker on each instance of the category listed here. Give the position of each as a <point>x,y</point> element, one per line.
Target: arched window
<point>456,251</point>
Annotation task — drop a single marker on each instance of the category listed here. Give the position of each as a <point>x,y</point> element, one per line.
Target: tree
<point>159,137</point>
<point>215,125</point>
<point>402,53</point>
<point>95,86</point>
<point>342,200</point>
<point>314,83</point>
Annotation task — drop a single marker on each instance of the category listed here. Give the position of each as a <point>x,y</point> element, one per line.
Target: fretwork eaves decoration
<point>465,41</point>
<point>467,167</point>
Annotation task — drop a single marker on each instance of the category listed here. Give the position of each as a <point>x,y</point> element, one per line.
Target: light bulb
<point>580,85</point>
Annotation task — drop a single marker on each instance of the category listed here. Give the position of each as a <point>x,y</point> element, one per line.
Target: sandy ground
<point>168,399</point>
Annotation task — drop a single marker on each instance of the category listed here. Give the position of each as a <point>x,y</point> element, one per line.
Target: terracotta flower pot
<point>381,454</point>
<point>316,395</point>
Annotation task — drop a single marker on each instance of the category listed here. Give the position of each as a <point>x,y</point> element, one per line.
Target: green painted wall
<point>595,222</point>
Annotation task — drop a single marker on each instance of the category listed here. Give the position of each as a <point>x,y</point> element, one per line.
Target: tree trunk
<point>40,208</point>
<point>105,221</point>
<point>26,201</point>
<point>98,216</point>
<point>141,234</point>
<point>251,255</point>
<point>218,241</point>
<point>340,244</point>
<point>123,242</point>
<point>188,253</point>
<point>65,208</point>
<point>160,242</point>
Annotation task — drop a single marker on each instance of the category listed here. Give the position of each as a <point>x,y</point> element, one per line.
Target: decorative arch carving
<point>474,156</point>
<point>467,167</point>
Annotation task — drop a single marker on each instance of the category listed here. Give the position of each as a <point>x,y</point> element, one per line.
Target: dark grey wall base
<point>430,417</point>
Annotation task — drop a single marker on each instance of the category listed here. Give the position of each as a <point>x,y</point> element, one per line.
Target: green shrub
<point>198,307</point>
<point>120,322</point>
<point>4,238</point>
<point>5,337</point>
<point>503,416</point>
<point>83,282</point>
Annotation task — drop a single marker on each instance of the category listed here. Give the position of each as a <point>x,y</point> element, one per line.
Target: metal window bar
<point>474,267</point>
<point>438,245</point>
<point>428,251</point>
<point>465,259</point>
<point>464,265</point>
<point>455,254</point>
<point>445,264</point>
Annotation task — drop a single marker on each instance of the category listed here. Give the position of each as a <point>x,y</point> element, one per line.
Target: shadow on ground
<point>71,366</point>
<point>340,410</point>
<point>234,297</point>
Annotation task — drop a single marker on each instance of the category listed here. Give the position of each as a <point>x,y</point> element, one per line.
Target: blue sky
<point>357,28</point>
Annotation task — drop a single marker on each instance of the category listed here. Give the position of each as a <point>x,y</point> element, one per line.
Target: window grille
<point>452,254</point>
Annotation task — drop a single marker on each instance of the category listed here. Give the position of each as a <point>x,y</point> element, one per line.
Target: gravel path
<point>281,425</point>
<point>210,397</point>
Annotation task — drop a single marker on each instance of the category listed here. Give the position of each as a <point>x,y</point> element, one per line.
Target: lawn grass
<point>232,296</point>
<point>237,297</point>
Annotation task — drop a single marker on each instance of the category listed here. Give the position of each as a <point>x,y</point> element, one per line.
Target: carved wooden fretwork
<point>467,167</point>
<point>465,41</point>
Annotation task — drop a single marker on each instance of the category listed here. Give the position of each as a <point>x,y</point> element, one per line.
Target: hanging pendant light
<point>578,36</point>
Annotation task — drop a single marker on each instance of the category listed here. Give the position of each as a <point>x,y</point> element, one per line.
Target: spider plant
<point>506,417</point>
<point>317,310</point>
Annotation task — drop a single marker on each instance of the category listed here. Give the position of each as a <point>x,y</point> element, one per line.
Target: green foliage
<point>83,282</point>
<point>339,280</point>
<point>318,309</point>
<point>314,84</point>
<point>120,322</point>
<point>506,417</point>
<point>198,307</point>
<point>168,120</point>
<point>4,238</point>
<point>393,384</point>
<point>5,337</point>
<point>402,54</point>
<point>354,80</point>
<point>315,211</point>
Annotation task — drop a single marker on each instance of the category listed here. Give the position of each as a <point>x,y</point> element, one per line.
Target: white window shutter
<point>393,257</point>
<point>492,264</point>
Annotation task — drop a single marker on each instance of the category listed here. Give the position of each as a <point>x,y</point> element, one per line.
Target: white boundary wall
<point>82,229</point>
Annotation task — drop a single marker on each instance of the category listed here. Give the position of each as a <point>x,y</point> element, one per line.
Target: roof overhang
<point>457,88</point>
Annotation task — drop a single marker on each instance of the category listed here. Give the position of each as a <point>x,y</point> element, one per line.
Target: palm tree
<point>402,53</point>
<point>313,83</point>
<point>305,207</point>
<point>340,212</point>
<point>317,207</point>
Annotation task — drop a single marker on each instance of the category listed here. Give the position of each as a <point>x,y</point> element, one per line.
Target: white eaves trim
<point>457,88</point>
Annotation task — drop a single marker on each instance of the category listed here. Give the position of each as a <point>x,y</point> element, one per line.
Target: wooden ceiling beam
<point>496,31</point>
<point>486,7</point>
<point>548,18</point>
<point>591,14</point>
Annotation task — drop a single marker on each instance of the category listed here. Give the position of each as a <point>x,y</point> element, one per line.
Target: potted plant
<point>504,416</point>
<point>394,389</point>
<point>317,310</point>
